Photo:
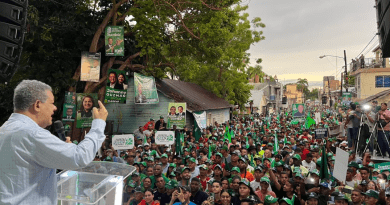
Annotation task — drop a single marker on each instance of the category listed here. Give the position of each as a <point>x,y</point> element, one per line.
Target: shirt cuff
<point>97,123</point>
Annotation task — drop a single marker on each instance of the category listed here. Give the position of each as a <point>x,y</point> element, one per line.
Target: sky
<point>298,32</point>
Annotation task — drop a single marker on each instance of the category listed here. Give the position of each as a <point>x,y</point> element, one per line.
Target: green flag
<point>276,145</point>
<point>309,121</point>
<point>294,122</point>
<point>324,172</point>
<point>285,140</point>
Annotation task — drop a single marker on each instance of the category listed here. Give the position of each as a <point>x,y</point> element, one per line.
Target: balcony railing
<point>368,63</point>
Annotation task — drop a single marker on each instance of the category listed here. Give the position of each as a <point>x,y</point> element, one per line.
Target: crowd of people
<point>258,159</point>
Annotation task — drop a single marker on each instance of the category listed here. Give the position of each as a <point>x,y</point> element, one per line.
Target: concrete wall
<point>220,116</point>
<point>367,83</point>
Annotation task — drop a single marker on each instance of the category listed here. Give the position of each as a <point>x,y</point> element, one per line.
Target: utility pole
<point>341,88</point>
<point>345,75</point>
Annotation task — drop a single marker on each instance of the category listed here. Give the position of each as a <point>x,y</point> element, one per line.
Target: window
<point>382,81</point>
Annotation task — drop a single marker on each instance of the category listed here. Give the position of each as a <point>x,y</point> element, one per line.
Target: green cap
<point>225,148</point>
<point>329,154</point>
<point>185,168</point>
<point>315,171</point>
<point>236,169</point>
<point>265,179</point>
<point>277,164</point>
<point>151,159</point>
<point>372,193</point>
<point>353,164</point>
<point>219,154</point>
<point>192,160</point>
<point>143,163</point>
<point>297,156</point>
<point>288,142</point>
<point>161,117</point>
<point>203,166</point>
<point>371,164</point>
<point>270,200</point>
<point>164,155</point>
<point>270,144</point>
<point>172,165</point>
<point>245,181</point>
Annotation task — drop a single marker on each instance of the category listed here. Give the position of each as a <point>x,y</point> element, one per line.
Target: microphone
<point>59,128</point>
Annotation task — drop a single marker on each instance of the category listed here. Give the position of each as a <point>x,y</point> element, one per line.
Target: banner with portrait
<point>114,41</point>
<point>116,86</point>
<point>298,110</point>
<point>177,115</point>
<point>346,99</point>
<point>145,91</point>
<point>69,109</point>
<point>85,103</point>
<point>90,66</point>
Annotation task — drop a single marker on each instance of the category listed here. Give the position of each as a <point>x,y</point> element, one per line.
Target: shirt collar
<point>23,118</point>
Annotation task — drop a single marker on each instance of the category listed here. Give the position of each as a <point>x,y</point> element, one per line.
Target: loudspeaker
<point>383,22</point>
<point>284,100</point>
<point>13,16</point>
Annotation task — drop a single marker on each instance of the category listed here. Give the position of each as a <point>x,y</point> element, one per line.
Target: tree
<point>194,40</point>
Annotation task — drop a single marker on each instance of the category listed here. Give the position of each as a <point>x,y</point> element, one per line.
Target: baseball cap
<point>192,160</point>
<point>184,168</point>
<point>138,189</point>
<point>172,165</point>
<point>236,169</point>
<point>237,152</point>
<point>164,155</point>
<point>218,154</point>
<point>203,166</point>
<point>312,195</point>
<point>242,159</point>
<point>297,156</point>
<point>265,179</point>
<point>185,188</point>
<point>353,164</point>
<point>270,199</point>
<point>315,171</point>
<point>244,181</point>
<point>143,164</point>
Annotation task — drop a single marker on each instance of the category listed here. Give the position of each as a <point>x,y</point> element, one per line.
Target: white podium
<point>99,183</point>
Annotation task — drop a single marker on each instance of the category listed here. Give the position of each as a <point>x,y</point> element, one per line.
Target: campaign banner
<point>346,99</point>
<point>90,66</point>
<point>116,87</point>
<point>321,133</point>
<point>145,91</point>
<point>201,119</point>
<point>341,165</point>
<point>85,103</point>
<point>69,109</point>
<point>165,138</point>
<point>382,166</point>
<point>176,115</point>
<point>123,141</point>
<point>114,41</point>
<point>298,111</point>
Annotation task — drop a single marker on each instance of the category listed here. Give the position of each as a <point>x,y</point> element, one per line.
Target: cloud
<point>298,32</point>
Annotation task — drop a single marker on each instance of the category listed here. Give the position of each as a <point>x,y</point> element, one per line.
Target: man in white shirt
<point>308,162</point>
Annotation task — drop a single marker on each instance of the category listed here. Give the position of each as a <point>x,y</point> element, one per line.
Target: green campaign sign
<point>123,141</point>
<point>145,90</point>
<point>69,109</point>
<point>85,103</point>
<point>382,166</point>
<point>346,99</point>
<point>165,137</point>
<point>116,87</point>
<point>114,41</point>
<point>177,115</point>
<point>298,110</point>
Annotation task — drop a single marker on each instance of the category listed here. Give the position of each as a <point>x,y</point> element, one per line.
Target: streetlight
<point>341,80</point>
<point>323,56</point>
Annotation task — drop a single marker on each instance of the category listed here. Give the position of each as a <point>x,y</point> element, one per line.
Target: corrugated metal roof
<point>196,97</point>
<point>376,96</point>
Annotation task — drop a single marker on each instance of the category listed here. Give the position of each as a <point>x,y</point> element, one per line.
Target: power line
<point>366,46</point>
